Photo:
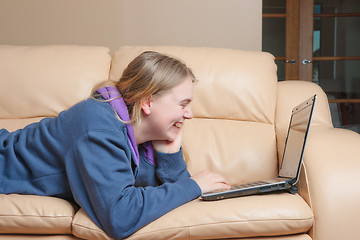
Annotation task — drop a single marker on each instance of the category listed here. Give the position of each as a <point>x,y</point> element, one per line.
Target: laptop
<point>291,162</point>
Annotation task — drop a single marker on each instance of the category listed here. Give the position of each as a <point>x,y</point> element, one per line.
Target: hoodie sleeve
<point>102,181</point>
<point>171,167</point>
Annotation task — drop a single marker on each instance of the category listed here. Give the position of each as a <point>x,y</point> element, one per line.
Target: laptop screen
<point>296,139</point>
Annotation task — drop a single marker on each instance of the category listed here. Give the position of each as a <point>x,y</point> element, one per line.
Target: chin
<point>172,134</point>
<point>171,137</point>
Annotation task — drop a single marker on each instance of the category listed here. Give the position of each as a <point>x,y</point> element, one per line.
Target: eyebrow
<point>187,100</point>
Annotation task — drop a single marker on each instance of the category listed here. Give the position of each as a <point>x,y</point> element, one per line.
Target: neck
<point>141,135</point>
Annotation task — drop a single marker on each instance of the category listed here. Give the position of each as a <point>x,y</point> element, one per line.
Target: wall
<point>112,23</point>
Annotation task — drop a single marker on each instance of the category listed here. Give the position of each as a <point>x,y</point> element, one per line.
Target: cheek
<point>167,115</point>
<point>177,115</point>
<point>168,120</point>
<point>162,123</point>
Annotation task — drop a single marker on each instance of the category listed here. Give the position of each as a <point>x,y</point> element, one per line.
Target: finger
<point>219,178</point>
<point>220,186</point>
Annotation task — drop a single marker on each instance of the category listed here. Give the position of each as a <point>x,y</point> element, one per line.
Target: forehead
<point>182,91</point>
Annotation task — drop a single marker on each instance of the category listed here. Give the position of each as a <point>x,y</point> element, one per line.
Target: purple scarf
<point>114,98</point>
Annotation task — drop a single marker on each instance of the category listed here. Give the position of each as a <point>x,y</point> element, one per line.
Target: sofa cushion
<point>40,81</point>
<point>18,123</point>
<point>241,151</point>
<point>26,214</point>
<point>252,216</point>
<point>84,228</point>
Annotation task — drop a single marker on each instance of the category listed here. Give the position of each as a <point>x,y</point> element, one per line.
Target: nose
<point>188,113</point>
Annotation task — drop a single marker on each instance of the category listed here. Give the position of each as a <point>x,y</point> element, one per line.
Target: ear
<point>146,105</point>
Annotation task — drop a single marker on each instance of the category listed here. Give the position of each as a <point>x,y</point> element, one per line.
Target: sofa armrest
<point>292,93</point>
<point>330,182</point>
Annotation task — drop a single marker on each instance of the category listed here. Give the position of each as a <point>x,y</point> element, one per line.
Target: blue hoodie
<point>84,154</point>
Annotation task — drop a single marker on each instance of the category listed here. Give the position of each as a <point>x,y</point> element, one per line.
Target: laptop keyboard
<point>240,186</point>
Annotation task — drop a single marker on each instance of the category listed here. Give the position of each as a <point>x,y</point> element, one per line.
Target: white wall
<point>112,23</point>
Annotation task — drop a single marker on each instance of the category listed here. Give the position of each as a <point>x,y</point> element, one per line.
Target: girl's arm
<point>102,182</point>
<point>171,167</point>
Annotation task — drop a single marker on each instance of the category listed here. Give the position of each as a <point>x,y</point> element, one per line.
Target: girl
<point>117,154</point>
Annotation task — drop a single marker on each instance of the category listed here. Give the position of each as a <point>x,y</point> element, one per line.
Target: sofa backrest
<point>232,131</point>
<point>41,81</point>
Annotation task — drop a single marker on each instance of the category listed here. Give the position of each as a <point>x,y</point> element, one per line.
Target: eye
<point>184,104</point>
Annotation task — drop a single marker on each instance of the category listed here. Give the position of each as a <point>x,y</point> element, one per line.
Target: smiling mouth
<point>178,125</point>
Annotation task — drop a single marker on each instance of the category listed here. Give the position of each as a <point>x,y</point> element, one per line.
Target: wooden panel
<point>292,38</point>
<point>306,39</point>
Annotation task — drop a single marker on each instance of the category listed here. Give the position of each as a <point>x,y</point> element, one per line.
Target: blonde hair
<point>150,73</point>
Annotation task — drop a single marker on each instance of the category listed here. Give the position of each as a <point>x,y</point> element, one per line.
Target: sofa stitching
<point>264,220</point>
<point>188,232</point>
<point>231,119</point>
<point>89,228</point>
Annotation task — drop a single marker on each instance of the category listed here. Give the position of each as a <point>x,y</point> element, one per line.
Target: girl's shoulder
<point>93,115</point>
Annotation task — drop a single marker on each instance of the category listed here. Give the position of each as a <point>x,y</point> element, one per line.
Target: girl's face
<point>169,111</point>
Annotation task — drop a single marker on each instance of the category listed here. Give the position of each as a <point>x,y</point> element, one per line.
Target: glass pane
<point>274,6</point>
<point>340,80</point>
<point>280,70</point>
<point>338,36</point>
<point>337,6</point>
<point>273,36</point>
<point>346,115</point>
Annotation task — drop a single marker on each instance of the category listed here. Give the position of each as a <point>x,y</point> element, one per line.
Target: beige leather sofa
<point>241,115</point>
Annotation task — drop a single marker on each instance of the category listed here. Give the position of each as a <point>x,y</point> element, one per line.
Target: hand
<point>209,182</point>
<point>166,146</point>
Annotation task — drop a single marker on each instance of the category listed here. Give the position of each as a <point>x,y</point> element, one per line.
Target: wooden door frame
<point>299,33</point>
<point>292,40</point>
<point>306,40</point>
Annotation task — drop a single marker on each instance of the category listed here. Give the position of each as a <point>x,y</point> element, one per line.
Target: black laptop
<point>290,164</point>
